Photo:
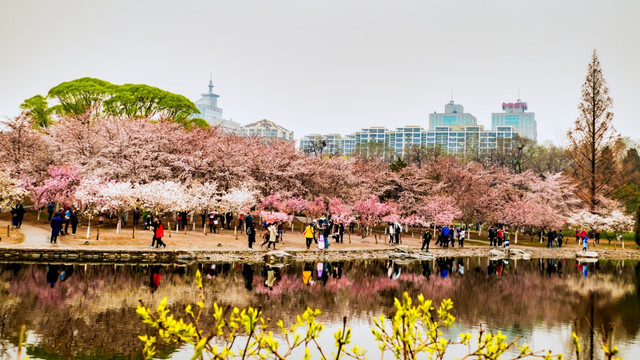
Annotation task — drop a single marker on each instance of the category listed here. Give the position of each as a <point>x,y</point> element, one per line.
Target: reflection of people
<point>271,278</point>
<point>325,273</point>
<point>445,266</point>
<point>247,275</point>
<point>491,269</point>
<point>52,275</point>
<point>426,269</point>
<point>307,274</point>
<point>65,272</point>
<point>336,270</point>
<point>393,270</point>
<point>154,277</point>
<point>584,269</point>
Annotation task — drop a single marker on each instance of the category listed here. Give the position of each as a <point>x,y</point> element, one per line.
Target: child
<point>584,243</point>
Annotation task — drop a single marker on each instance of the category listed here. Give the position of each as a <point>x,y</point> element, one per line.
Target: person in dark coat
<point>136,216</point>
<point>426,239</point>
<point>251,234</point>
<point>56,227</point>
<point>229,217</point>
<point>74,221</point>
<point>14,217</point>
<point>20,211</point>
<point>183,216</point>
<point>50,208</point>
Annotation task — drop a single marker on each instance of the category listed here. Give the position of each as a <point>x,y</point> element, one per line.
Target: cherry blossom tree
<point>116,197</point>
<point>162,197</point>
<point>238,200</point>
<point>274,216</point>
<point>371,212</point>
<point>203,198</point>
<point>271,203</point>
<point>60,186</point>
<point>87,198</point>
<point>341,211</point>
<point>316,208</point>
<point>618,222</point>
<point>12,191</point>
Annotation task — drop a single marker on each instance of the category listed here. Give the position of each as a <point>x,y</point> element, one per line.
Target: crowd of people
<point>60,222</point>
<point>319,231</point>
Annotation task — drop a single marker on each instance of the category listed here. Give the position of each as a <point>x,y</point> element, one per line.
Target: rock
<point>423,257</point>
<point>587,254</point>
<point>278,254</point>
<point>86,242</point>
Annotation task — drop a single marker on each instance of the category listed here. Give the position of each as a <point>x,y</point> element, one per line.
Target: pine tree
<point>591,139</point>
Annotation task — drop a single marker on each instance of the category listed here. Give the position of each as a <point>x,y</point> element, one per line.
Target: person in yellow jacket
<point>308,234</point>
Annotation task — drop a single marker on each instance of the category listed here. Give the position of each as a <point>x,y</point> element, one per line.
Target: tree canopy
<point>95,97</point>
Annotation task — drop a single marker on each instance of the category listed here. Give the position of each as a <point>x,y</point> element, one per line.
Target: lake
<point>88,311</point>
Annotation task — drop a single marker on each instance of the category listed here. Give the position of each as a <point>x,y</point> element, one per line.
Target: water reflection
<point>89,310</point>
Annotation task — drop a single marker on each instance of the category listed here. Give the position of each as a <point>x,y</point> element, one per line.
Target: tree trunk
<point>118,225</point>
<point>88,227</point>
<point>39,214</point>
<point>133,228</point>
<point>515,241</point>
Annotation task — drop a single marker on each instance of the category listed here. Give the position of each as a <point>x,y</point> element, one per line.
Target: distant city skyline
<point>331,66</point>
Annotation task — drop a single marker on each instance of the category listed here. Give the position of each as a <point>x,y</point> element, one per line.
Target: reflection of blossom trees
<point>91,311</point>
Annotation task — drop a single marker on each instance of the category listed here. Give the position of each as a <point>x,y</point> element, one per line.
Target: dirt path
<point>36,237</point>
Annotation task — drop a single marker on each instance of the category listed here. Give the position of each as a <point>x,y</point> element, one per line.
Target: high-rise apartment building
<point>454,131</point>
<point>453,115</point>
<point>516,115</point>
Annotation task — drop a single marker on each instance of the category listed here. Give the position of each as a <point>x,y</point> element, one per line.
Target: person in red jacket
<point>158,233</point>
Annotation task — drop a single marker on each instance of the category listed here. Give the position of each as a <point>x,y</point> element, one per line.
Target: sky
<point>325,66</point>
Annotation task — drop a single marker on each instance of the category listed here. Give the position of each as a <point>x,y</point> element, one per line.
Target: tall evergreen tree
<point>591,139</point>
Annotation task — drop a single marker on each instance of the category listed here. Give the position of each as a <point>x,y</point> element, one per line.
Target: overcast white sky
<point>320,66</point>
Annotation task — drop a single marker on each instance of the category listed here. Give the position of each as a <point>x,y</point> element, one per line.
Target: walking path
<point>34,237</point>
<point>225,247</point>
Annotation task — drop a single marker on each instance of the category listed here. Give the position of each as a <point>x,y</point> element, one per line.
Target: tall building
<point>452,139</point>
<point>516,115</point>
<point>211,113</point>
<point>266,128</point>
<point>333,144</point>
<point>453,115</point>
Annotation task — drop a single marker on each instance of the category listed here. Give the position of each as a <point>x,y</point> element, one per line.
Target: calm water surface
<point>88,311</point>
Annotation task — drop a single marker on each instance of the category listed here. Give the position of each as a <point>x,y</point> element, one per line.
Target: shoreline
<point>177,256</point>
